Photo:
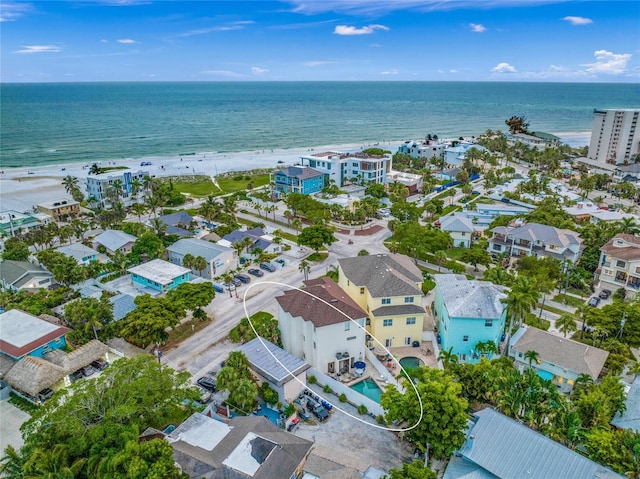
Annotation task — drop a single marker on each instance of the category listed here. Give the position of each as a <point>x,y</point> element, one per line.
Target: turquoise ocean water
<point>54,123</point>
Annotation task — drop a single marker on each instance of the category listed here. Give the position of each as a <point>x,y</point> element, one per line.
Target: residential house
<point>177,223</point>
<point>388,288</point>
<point>322,325</point>
<point>448,174</point>
<point>612,216</point>
<point>22,334</point>
<point>582,210</point>
<point>158,276</point>
<point>424,149</point>
<point>285,373</point>
<point>533,239</point>
<point>115,240</point>
<point>298,179</point>
<point>620,263</point>
<point>257,235</point>
<point>13,222</point>
<point>559,360</point>
<point>537,140</point>
<point>468,312</point>
<point>501,209</point>
<point>455,155</point>
<point>413,182</point>
<point>219,258</point>
<point>345,168</point>
<point>615,138</point>
<point>81,253</point>
<point>23,276</point>
<point>498,447</point>
<point>99,184</point>
<point>122,304</point>
<point>460,227</point>
<point>629,419</point>
<point>60,210</point>
<point>248,447</point>
<point>630,173</point>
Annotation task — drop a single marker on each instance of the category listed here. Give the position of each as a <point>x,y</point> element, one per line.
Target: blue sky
<point>347,40</point>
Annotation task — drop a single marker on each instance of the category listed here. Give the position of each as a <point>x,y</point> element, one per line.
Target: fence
<point>385,375</point>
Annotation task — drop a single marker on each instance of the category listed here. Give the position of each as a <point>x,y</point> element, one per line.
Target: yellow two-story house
<point>388,288</point>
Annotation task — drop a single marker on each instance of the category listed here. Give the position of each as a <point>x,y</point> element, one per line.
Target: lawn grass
<point>570,300</point>
<point>183,331</point>
<point>449,209</point>
<point>317,257</point>
<point>200,189</point>
<point>239,181</point>
<point>484,200</point>
<point>455,253</point>
<point>551,309</point>
<point>533,320</point>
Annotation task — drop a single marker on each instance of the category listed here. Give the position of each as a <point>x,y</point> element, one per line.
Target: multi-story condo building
<point>387,287</point>
<point>98,185</point>
<point>533,239</point>
<point>614,138</point>
<point>620,263</point>
<point>345,168</point>
<point>424,149</point>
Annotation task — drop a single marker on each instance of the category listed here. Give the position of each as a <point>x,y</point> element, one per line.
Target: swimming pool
<point>368,388</point>
<point>411,362</point>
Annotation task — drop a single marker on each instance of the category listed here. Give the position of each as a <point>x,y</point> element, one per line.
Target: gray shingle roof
<point>543,233</point>
<point>177,218</point>
<point>11,271</point>
<point>77,251</point>
<point>198,247</point>
<point>260,354</point>
<point>122,305</point>
<point>508,449</point>
<point>398,310</point>
<point>114,239</point>
<point>384,275</point>
<point>466,298</point>
<point>300,172</point>
<point>630,419</point>
<point>457,223</point>
<point>569,354</point>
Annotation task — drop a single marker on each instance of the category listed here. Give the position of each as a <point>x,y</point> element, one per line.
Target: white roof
<point>241,458</point>
<point>159,271</point>
<point>466,298</point>
<point>19,328</point>
<point>200,431</point>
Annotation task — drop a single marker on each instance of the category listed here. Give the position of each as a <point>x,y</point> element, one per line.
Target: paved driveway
<point>11,418</point>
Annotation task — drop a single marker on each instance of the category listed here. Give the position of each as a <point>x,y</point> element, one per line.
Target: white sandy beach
<point>21,191</point>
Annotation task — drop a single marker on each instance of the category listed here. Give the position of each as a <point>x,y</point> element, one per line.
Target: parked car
<point>45,394</point>
<point>255,272</point>
<point>74,376</point>
<point>317,410</point>
<point>594,301</point>
<point>99,364</point>
<point>219,288</point>
<point>303,415</point>
<point>604,294</point>
<point>281,261</point>
<point>207,383</point>
<point>205,396</point>
<point>236,281</point>
<point>243,278</point>
<point>267,267</point>
<point>88,371</point>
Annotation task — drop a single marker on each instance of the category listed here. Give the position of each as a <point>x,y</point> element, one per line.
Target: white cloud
<point>104,40</point>
<point>503,67</point>
<point>239,25</point>
<point>608,62</point>
<point>477,27</point>
<point>127,41</point>
<point>367,30</point>
<point>578,20</point>
<point>259,71</point>
<point>39,49</point>
<point>317,63</point>
<point>453,71</point>
<point>390,72</point>
<point>10,12</point>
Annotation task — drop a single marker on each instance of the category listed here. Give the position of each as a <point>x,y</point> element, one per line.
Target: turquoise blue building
<point>158,276</point>
<point>468,312</point>
<point>298,179</point>
<point>22,334</point>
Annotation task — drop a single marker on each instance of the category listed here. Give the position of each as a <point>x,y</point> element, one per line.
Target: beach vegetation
<point>147,247</point>
<point>91,429</point>
<point>416,240</point>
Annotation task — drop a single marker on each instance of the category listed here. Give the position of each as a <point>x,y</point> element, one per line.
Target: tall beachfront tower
<point>615,138</point>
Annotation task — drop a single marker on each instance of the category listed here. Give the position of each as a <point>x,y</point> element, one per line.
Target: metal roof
<point>279,370</point>
<point>630,418</point>
<point>113,240</point>
<point>198,247</point>
<point>77,251</point>
<point>159,271</point>
<point>510,450</point>
<point>466,298</point>
<point>21,333</point>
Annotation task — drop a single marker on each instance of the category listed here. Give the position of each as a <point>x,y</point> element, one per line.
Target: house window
<point>386,300</point>
<point>347,326</point>
<point>361,322</point>
<point>387,322</point>
<point>411,321</point>
<point>488,323</point>
<point>621,264</point>
<point>465,338</point>
<point>497,247</point>
<point>408,299</point>
<point>361,290</point>
<point>462,233</point>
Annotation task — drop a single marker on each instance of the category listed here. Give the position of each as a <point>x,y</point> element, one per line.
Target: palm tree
<point>227,279</point>
<point>448,358</point>
<point>12,464</point>
<point>95,169</point>
<point>440,257</point>
<point>497,275</point>
<point>70,183</point>
<point>52,464</point>
<point>628,226</point>
<point>158,226</point>
<point>531,357</point>
<point>139,209</point>
<point>246,243</point>
<point>297,225</point>
<point>244,395</point>
<point>566,324</point>
<point>136,187</point>
<point>188,261</point>
<point>287,214</point>
<point>199,264</point>
<point>304,268</point>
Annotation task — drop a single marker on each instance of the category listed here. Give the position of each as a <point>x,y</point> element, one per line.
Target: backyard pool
<point>411,362</point>
<point>368,388</point>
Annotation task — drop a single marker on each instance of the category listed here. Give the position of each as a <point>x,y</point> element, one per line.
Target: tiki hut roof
<point>6,363</point>
<point>33,374</point>
<point>78,358</point>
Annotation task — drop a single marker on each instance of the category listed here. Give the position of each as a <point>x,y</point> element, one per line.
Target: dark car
<point>99,364</point>
<point>88,371</point>
<point>594,301</point>
<point>604,294</point>
<point>45,394</point>
<point>74,376</point>
<point>255,272</point>
<point>218,288</point>
<point>243,278</point>
<point>236,281</point>
<point>303,415</point>
<point>267,267</point>
<point>317,410</point>
<point>207,383</point>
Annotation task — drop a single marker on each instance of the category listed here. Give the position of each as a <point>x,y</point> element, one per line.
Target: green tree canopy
<point>415,470</point>
<point>316,237</point>
<point>88,315</point>
<point>15,249</point>
<point>148,323</point>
